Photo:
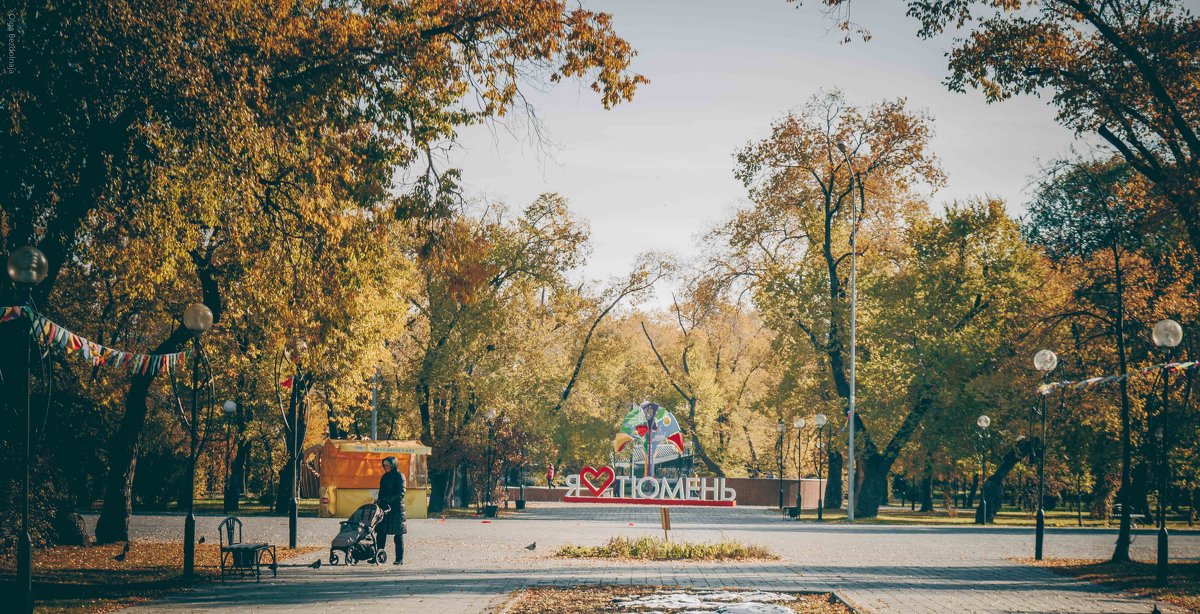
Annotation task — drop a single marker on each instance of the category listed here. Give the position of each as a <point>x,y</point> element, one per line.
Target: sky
<point>656,173</point>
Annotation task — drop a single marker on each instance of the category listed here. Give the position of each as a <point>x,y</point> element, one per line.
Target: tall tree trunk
<point>753,454</point>
<point>235,480</point>
<point>833,487</point>
<point>927,487</point>
<point>993,486</point>
<point>294,444</point>
<point>873,486</point>
<point>439,490</point>
<point>697,446</point>
<point>113,524</point>
<point>877,465</point>
<point>235,487</point>
<point>971,491</point>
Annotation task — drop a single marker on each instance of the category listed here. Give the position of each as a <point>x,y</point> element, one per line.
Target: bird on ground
<point>532,546</point>
<point>316,564</point>
<point>201,540</point>
<point>121,557</point>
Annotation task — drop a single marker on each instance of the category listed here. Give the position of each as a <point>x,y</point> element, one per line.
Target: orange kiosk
<point>350,472</point>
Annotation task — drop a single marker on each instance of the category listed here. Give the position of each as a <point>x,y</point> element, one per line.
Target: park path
<point>468,566</point>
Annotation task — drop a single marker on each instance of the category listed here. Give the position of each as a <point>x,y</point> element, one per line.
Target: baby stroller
<point>355,540</point>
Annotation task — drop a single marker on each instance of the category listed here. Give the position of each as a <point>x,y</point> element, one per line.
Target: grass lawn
<point>658,549</point>
<point>1137,577</point>
<point>1011,517</point>
<point>75,579</point>
<point>595,599</point>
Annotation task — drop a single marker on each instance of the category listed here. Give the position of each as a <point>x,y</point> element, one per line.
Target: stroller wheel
<point>334,559</point>
<point>381,557</point>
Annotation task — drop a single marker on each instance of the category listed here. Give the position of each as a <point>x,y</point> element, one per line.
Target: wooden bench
<point>1135,518</point>
<point>239,557</point>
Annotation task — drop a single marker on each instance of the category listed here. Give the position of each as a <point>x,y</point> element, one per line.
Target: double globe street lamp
<point>27,267</point>
<point>1167,334</point>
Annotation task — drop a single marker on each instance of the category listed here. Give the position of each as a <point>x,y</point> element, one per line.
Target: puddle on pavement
<point>684,601</point>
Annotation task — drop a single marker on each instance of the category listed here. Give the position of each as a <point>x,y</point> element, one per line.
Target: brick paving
<point>468,566</point>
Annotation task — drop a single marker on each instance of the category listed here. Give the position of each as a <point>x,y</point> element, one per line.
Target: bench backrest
<point>226,532</point>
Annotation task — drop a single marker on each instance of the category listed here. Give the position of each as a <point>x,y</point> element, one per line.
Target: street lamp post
<point>855,180</point>
<point>27,267</point>
<point>1044,361</point>
<point>230,410</point>
<point>487,487</point>
<point>779,428</point>
<point>299,399</point>
<point>198,319</point>
<point>983,422</point>
<point>820,421</point>
<point>799,424</point>
<point>1166,334</point>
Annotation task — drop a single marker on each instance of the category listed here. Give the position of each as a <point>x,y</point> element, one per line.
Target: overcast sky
<point>656,172</point>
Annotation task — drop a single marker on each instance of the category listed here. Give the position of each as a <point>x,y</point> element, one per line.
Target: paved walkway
<point>468,566</point>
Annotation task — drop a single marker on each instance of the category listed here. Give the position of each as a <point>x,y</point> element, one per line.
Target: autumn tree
<point>109,100</point>
<point>792,246</point>
<point>497,324</point>
<point>965,286</point>
<point>1095,219</point>
<point>714,353</point>
<point>1125,71</point>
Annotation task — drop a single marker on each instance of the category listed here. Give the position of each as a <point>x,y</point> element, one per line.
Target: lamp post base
<point>1162,556</point>
<point>25,571</point>
<point>293,521</point>
<point>189,545</point>
<point>1041,532</point>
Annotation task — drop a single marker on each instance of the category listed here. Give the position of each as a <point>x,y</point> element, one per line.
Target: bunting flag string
<point>1049,387</point>
<point>51,334</point>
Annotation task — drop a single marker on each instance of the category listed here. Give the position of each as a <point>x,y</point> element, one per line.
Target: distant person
<point>391,500</point>
<point>550,475</point>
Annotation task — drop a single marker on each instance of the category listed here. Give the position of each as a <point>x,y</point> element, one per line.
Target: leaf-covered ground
<point>593,599</point>
<point>1137,577</point>
<point>76,579</point>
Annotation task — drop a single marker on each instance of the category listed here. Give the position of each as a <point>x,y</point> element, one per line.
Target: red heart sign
<point>605,473</point>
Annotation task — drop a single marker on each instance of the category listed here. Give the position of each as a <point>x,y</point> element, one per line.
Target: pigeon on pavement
<point>532,546</point>
<point>121,557</point>
<point>316,564</point>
